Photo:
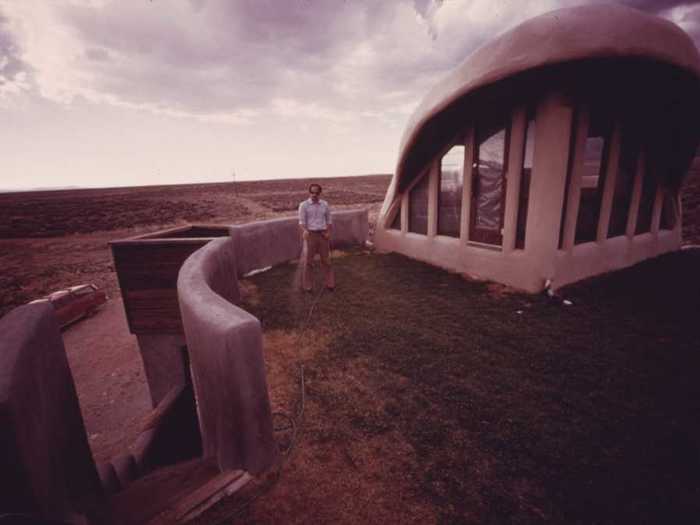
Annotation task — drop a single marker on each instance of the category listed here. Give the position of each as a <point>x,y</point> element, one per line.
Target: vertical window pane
<point>624,183</point>
<point>489,182</point>
<point>524,193</point>
<point>450,196</point>
<point>668,211</point>
<point>396,223</point>
<point>594,161</point>
<point>418,207</point>
<point>646,203</point>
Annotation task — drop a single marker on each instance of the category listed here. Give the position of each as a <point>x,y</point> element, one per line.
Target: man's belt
<point>317,231</point>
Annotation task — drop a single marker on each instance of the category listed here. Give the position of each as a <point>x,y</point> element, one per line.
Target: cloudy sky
<point>135,92</point>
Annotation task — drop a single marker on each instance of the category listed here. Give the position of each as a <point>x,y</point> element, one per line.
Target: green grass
<point>567,414</point>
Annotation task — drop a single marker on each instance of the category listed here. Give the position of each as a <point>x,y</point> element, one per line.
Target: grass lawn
<point>434,399</point>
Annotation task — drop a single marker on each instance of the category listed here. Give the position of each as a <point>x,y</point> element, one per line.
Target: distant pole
<point>234,181</point>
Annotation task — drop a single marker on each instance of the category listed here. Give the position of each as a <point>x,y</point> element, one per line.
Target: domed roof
<point>557,37</point>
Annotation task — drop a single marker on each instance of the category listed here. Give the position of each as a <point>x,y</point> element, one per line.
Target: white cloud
<point>288,72</point>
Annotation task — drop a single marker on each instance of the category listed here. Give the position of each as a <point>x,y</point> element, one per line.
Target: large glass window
<point>488,184</point>
<point>418,207</point>
<point>669,211</point>
<point>526,174</point>
<point>450,196</point>
<point>594,165</point>
<point>646,203</point>
<point>624,184</point>
<point>396,223</point>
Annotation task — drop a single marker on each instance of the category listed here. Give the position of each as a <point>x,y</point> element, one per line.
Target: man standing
<point>315,222</point>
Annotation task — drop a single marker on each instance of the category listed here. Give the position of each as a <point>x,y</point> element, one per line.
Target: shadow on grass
<point>514,409</point>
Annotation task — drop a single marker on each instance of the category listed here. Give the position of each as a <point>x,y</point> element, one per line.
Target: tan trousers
<point>316,244</point>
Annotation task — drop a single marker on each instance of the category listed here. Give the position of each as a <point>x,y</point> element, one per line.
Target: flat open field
<point>53,239</point>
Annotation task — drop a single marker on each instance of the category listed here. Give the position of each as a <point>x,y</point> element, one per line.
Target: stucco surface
<point>226,361</point>
<point>267,243</point>
<point>558,37</point>
<point>45,462</point>
<point>224,342</point>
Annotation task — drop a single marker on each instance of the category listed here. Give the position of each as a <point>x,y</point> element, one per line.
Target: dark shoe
<point>330,288</point>
<point>308,290</point>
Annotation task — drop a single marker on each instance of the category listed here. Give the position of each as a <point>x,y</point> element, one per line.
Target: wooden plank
<point>147,276</point>
<point>146,498</point>
<point>198,501</point>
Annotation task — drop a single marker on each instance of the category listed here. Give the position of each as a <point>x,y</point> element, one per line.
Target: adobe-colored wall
<point>46,466</point>
<point>224,342</point>
<point>226,362</point>
<point>267,243</point>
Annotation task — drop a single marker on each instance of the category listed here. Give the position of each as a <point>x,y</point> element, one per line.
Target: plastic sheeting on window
<point>489,197</point>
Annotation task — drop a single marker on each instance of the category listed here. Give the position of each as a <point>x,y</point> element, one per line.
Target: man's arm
<point>302,221</point>
<point>329,222</point>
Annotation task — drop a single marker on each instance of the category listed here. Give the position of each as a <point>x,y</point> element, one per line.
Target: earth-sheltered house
<point>553,153</point>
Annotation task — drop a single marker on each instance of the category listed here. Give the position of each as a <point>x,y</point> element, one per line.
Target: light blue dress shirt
<point>314,216</point>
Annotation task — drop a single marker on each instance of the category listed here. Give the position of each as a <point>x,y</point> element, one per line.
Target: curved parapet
<point>224,344</point>
<point>46,467</point>
<point>267,243</point>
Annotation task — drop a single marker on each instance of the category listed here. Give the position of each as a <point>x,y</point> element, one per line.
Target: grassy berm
<point>435,399</point>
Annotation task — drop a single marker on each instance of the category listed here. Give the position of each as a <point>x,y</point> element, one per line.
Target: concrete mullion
<point>611,171</point>
<point>574,194</point>
<point>636,196</point>
<point>513,175</point>
<point>433,189</point>
<point>467,184</point>
<point>404,212</point>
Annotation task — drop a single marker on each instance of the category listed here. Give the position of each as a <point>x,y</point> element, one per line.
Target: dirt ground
<point>108,373</point>
<point>50,240</point>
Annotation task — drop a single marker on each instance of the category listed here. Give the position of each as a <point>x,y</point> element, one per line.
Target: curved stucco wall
<point>46,467</point>
<point>267,243</point>
<point>224,342</point>
<point>558,37</point>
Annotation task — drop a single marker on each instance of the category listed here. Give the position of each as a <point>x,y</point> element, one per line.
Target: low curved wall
<point>224,342</point>
<point>267,243</point>
<point>226,361</point>
<point>46,467</point>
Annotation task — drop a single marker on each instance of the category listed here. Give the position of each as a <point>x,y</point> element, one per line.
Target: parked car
<point>75,303</point>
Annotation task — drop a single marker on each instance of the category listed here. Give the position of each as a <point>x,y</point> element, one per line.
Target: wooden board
<point>147,273</point>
